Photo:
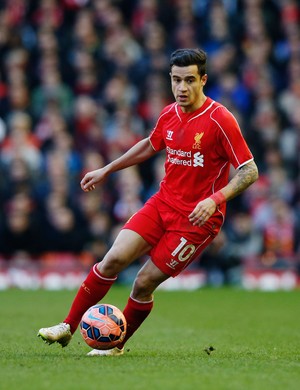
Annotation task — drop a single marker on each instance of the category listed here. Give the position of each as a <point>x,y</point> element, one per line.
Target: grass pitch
<point>256,337</point>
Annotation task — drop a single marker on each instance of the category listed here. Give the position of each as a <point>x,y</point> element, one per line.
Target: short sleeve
<point>157,134</point>
<point>231,138</point>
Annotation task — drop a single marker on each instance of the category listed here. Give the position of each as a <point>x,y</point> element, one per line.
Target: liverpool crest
<point>197,140</point>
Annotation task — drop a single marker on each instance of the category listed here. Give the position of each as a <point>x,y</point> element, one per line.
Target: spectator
<point>244,239</point>
<point>52,91</point>
<point>20,142</point>
<point>279,235</point>
<point>129,187</point>
<point>222,264</point>
<point>19,230</point>
<point>62,232</point>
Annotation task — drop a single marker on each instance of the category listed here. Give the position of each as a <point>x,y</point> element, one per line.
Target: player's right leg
<point>127,247</point>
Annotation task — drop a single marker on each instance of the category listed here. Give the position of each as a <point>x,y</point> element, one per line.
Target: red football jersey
<point>200,148</point>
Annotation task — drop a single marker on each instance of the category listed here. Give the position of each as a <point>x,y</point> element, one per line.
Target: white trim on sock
<point>100,276</point>
<point>135,300</point>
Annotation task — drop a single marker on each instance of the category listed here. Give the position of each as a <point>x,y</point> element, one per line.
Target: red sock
<point>90,292</point>
<point>135,313</point>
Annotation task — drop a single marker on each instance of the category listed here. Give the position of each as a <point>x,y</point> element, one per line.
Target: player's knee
<point>143,287</point>
<point>108,269</point>
<point>113,263</point>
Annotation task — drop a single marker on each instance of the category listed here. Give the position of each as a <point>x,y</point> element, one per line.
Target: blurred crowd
<point>82,80</point>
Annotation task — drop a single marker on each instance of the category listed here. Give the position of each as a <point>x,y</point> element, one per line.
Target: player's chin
<point>184,105</point>
<point>182,102</point>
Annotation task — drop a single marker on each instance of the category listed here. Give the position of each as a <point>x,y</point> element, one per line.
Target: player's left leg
<point>169,258</point>
<point>140,302</point>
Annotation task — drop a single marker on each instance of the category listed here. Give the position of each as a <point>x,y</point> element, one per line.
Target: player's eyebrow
<point>185,77</point>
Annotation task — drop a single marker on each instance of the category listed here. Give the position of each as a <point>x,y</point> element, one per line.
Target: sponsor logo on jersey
<point>181,157</point>
<point>198,160</point>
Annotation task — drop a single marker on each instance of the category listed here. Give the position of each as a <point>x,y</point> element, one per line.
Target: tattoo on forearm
<point>245,176</point>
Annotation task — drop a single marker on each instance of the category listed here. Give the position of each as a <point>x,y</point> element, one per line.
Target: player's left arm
<point>244,177</point>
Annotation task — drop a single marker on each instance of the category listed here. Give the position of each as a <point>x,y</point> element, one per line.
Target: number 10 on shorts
<point>183,251</point>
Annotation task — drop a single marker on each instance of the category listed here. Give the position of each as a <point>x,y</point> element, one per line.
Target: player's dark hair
<point>186,57</point>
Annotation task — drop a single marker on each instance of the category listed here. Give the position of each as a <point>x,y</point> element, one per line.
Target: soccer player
<point>202,139</point>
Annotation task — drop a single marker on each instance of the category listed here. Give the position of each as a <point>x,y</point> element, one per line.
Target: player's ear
<point>204,79</point>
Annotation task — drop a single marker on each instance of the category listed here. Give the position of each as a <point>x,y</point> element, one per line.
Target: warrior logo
<point>170,135</point>
<point>197,139</point>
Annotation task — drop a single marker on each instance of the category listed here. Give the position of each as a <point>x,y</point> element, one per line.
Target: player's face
<point>187,87</point>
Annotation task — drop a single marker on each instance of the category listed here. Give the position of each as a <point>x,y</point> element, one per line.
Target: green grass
<point>256,336</point>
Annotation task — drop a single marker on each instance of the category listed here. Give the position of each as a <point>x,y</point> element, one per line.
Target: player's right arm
<point>140,152</point>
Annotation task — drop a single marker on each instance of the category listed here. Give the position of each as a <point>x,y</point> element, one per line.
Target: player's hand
<point>88,183</point>
<point>202,212</point>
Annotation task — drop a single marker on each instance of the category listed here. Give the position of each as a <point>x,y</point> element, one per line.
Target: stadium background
<point>82,80</point>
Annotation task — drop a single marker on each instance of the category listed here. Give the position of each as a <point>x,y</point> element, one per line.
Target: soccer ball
<point>103,326</point>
